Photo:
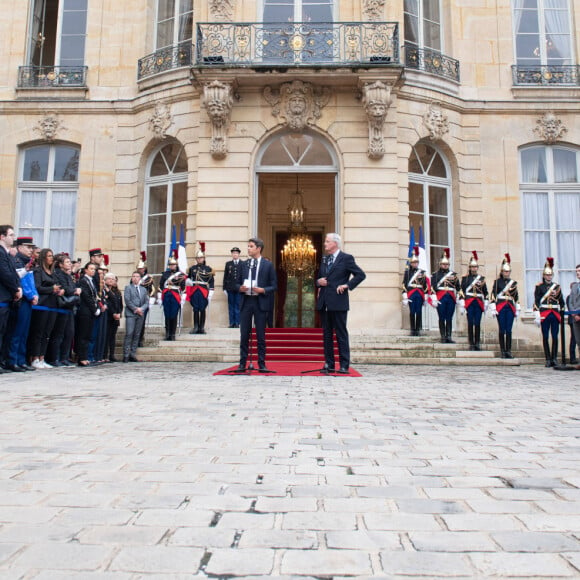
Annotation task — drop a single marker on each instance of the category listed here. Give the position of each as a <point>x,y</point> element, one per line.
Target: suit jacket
<point>231,274</point>
<point>266,280</point>
<point>9,279</point>
<point>89,301</point>
<point>574,298</point>
<point>343,271</point>
<point>134,300</point>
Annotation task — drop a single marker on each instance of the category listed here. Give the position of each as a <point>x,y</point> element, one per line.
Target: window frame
<point>421,44</point>
<point>176,17</point>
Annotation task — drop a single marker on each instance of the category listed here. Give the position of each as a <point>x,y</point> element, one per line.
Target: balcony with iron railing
<point>431,61</point>
<point>297,44</point>
<point>546,75</point>
<point>50,76</point>
<point>168,58</point>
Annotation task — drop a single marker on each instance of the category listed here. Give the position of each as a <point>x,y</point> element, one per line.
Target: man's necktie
<point>329,262</point>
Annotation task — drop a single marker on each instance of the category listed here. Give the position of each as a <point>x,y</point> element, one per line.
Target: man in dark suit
<point>257,284</point>
<point>136,307</point>
<point>10,289</point>
<point>338,275</point>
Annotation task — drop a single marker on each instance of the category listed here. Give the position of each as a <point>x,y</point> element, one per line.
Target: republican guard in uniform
<point>172,284</point>
<point>548,306</point>
<point>415,288</point>
<point>473,298</point>
<point>199,290</point>
<point>445,289</point>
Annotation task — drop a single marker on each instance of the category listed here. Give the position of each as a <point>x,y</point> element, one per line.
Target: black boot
<point>442,330</point>
<point>502,344</point>
<point>195,329</point>
<point>413,319</point>
<point>547,353</point>
<point>470,336</point>
<point>201,322</point>
<point>167,329</point>
<point>554,352</point>
<point>449,330</point>
<point>477,337</point>
<point>418,324</point>
<point>508,345</point>
<point>172,327</point>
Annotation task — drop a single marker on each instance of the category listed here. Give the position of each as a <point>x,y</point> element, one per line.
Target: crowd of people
<point>58,312</point>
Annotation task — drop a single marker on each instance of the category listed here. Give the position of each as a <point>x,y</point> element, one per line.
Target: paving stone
<point>522,565</point>
<point>426,564</point>
<point>8,550</point>
<point>69,556</point>
<point>245,521</point>
<point>318,521</point>
<point>240,563</point>
<point>536,542</point>
<point>122,535</point>
<point>484,522</point>
<point>364,540</point>
<point>452,542</point>
<point>282,505</point>
<point>326,563</point>
<point>292,539</point>
<point>158,559</point>
<point>401,522</point>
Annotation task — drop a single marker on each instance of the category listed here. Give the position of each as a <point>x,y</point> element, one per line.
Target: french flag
<point>181,256</point>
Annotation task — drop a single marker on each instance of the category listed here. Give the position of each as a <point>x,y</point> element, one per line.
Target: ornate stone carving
<point>221,10</point>
<point>549,128</point>
<point>376,98</point>
<point>436,122</point>
<point>160,120</point>
<point>297,104</point>
<point>218,101</point>
<point>373,9</point>
<point>48,126</point>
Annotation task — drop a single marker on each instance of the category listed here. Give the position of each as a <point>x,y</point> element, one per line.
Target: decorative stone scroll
<point>219,100</point>
<point>297,104</point>
<point>48,126</point>
<point>222,10</point>
<point>160,120</point>
<point>376,98</point>
<point>549,128</point>
<point>436,122</point>
<point>373,9</point>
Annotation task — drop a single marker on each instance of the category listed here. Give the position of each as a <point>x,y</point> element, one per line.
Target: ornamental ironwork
<point>52,76</point>
<point>259,44</point>
<point>546,75</point>
<point>431,61</point>
<point>165,59</point>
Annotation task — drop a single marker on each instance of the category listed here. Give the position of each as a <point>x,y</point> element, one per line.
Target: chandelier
<point>298,254</point>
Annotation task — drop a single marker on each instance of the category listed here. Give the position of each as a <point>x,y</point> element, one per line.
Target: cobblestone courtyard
<point>163,471</point>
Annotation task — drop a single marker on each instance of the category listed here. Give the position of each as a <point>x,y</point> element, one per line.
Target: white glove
<point>459,300</point>
<point>226,292</point>
<point>183,298</point>
<point>461,306</point>
<point>189,282</point>
<point>405,297</point>
<point>537,318</point>
<point>405,302</point>
<point>151,301</point>
<point>98,312</point>
<point>485,305</point>
<point>518,308</point>
<point>434,301</point>
<point>491,310</point>
<point>159,298</point>
<point>210,295</point>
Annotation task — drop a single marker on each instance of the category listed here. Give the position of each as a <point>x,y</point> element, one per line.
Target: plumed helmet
<point>473,259</point>
<point>201,252</point>
<point>415,256</point>
<point>143,261</point>
<point>506,263</point>
<point>445,257</point>
<point>172,262</point>
<point>549,267</point>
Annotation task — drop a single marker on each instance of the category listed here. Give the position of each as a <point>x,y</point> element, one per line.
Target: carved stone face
<point>296,104</point>
<point>377,109</point>
<point>216,109</point>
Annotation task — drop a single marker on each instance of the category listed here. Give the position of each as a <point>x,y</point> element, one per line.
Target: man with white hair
<point>338,275</point>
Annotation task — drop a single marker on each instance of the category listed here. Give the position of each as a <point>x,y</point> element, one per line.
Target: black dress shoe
<point>126,359</point>
<point>343,371</point>
<point>3,371</point>
<point>263,369</point>
<point>133,359</point>
<point>27,367</point>
<point>240,369</point>
<point>15,368</point>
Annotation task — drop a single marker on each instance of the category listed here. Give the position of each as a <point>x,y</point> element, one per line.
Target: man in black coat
<point>257,283</point>
<point>10,289</point>
<point>338,275</point>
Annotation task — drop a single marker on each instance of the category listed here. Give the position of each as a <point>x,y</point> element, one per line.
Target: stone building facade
<point>459,120</point>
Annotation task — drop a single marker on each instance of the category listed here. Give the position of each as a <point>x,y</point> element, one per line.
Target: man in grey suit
<point>574,302</point>
<point>136,306</point>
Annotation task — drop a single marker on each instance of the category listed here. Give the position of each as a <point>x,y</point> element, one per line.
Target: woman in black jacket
<point>114,301</point>
<point>87,313</point>
<point>44,313</point>
<point>59,348</point>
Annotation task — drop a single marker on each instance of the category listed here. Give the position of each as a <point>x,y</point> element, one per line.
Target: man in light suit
<point>574,304</point>
<point>257,283</point>
<point>136,306</point>
<point>338,275</point>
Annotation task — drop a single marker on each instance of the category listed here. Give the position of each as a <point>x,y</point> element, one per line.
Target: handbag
<point>68,302</point>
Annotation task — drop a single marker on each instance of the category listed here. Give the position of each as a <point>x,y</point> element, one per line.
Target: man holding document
<point>257,283</point>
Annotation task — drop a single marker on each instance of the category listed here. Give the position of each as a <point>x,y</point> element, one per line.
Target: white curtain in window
<point>32,209</point>
<point>536,211</point>
<point>557,28</point>
<point>534,165</point>
<point>568,211</point>
<point>412,22</point>
<point>63,211</point>
<point>565,170</point>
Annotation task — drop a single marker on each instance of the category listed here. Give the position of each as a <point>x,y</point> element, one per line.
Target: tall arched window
<point>430,200</point>
<point>47,195</point>
<point>165,202</point>
<point>550,190</point>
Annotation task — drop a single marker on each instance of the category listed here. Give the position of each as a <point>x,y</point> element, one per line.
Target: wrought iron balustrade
<point>295,44</point>
<point>52,76</point>
<point>165,59</point>
<point>546,75</point>
<point>431,61</point>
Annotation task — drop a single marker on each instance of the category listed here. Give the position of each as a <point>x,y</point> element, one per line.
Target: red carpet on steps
<point>289,351</point>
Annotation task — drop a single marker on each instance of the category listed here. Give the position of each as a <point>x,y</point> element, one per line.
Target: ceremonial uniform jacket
<point>505,293</point>
<point>231,272</point>
<point>445,282</point>
<point>474,288</point>
<point>202,274</point>
<point>415,280</point>
<point>548,299</point>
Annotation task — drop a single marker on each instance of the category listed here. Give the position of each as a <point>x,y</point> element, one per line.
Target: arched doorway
<point>288,162</point>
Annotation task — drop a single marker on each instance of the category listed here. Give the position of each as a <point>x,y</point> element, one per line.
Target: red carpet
<point>288,369</point>
<point>292,350</point>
